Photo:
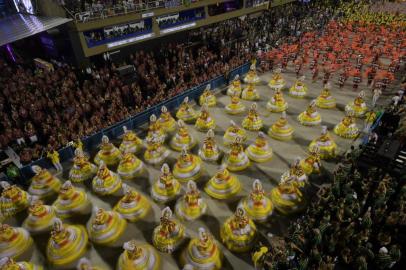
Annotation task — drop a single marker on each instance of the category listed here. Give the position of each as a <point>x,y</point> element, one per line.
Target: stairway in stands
<point>367,157</point>
<point>393,159</point>
<point>399,163</point>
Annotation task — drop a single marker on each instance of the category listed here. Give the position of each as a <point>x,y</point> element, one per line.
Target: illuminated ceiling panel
<point>19,26</point>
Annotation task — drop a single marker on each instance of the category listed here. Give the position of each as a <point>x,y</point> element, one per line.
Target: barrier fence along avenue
<point>92,141</point>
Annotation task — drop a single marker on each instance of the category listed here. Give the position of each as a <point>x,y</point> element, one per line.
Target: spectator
<point>89,101</point>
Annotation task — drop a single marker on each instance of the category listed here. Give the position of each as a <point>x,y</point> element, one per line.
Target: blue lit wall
<point>2,8</point>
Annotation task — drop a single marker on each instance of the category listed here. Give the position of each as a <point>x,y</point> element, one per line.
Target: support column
<point>155,26</point>
<point>80,59</point>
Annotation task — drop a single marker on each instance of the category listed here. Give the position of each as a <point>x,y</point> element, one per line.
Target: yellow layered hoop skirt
<point>327,149</point>
<point>237,242</point>
<point>149,260</point>
<point>257,211</point>
<point>210,260</point>
<point>223,189</point>
<point>281,133</point>
<point>325,102</point>
<point>71,251</point>
<point>190,172</point>
<point>277,106</point>
<point>309,120</point>
<point>259,154</point>
<point>287,203</point>
<point>252,124</point>
<point>168,244</point>
<point>298,91</point>
<point>347,132</point>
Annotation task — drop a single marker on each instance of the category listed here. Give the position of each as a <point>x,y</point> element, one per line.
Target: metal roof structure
<point>19,26</point>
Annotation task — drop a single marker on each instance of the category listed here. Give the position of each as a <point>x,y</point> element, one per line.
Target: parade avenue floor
<point>269,173</point>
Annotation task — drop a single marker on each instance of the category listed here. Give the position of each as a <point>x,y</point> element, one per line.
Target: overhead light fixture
<point>148,14</point>
<point>177,28</point>
<point>129,40</point>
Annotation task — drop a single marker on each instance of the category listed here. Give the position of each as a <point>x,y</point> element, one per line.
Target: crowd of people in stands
<point>125,30</point>
<point>119,5</point>
<point>170,21</point>
<point>45,110</point>
<point>401,131</point>
<point>119,31</point>
<point>357,222</point>
<point>354,223</point>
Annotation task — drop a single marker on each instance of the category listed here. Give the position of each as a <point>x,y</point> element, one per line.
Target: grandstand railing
<point>117,10</point>
<point>90,43</point>
<point>92,142</point>
<point>166,26</point>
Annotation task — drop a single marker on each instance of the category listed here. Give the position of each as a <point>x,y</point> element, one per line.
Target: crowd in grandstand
<point>128,29</point>
<point>119,31</point>
<point>355,222</point>
<point>102,99</point>
<point>170,21</point>
<point>181,18</point>
<point>118,5</point>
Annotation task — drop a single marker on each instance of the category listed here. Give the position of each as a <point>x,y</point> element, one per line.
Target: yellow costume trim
<point>186,112</point>
<point>298,90</point>
<point>133,205</point>
<point>106,182</point>
<point>203,252</point>
<point>141,257</point>
<point>223,185</point>
<point>106,227</point>
<point>327,147</point>
<point>131,143</point>
<point>41,217</point>
<point>257,205</point>
<point>166,187</point>
<point>207,98</point>
<point>108,153</point>
<point>61,250</point>
<point>166,120</point>
<point>169,234</point>
<point>238,233</point>
<point>12,265</point>
<point>129,167</point>
<point>187,167</point>
<point>259,151</point>
<point>44,184</point>
<point>14,241</point>
<point>325,100</point>
<point>284,205</point>
<point>13,199</point>
<point>277,103</point>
